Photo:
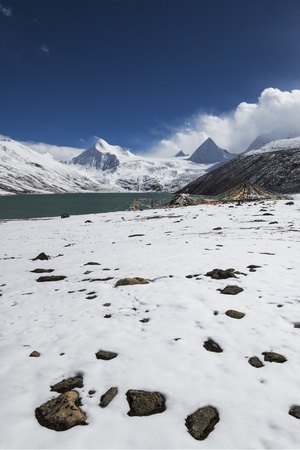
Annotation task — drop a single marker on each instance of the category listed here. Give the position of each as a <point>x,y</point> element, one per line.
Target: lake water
<point>52,205</point>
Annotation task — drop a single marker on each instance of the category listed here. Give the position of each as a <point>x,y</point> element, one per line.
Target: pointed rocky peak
<point>209,152</point>
<point>180,154</point>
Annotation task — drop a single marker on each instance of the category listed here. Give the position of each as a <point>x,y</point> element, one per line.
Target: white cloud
<point>43,48</point>
<point>5,10</point>
<point>235,130</point>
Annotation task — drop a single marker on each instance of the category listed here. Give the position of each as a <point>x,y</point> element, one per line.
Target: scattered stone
<point>68,384</point>
<point>131,281</point>
<point>145,320</point>
<point>35,354</point>
<point>91,297</point>
<point>295,411</point>
<point>212,346</point>
<point>100,279</point>
<point>88,221</point>
<point>202,422</point>
<point>108,397</point>
<point>42,256</point>
<point>51,278</point>
<point>234,314</point>
<point>231,290</point>
<point>220,274</point>
<point>143,403</point>
<point>135,235</point>
<point>106,355</point>
<point>253,267</point>
<point>255,362</point>
<point>61,413</point>
<point>92,263</point>
<point>106,304</point>
<point>107,316</point>
<point>65,216</point>
<point>297,325</point>
<point>274,357</point>
<point>92,392</point>
<point>217,229</point>
<point>42,271</point>
<point>290,203</point>
<point>273,223</point>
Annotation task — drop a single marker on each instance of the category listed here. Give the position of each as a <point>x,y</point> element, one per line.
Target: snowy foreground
<point>65,321</point>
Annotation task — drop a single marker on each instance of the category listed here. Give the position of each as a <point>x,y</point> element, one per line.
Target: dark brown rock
<point>234,314</point>
<point>144,403</point>
<point>202,422</point>
<point>42,256</point>
<point>131,281</point>
<point>35,354</point>
<point>108,397</point>
<point>220,274</point>
<point>231,290</point>
<point>295,411</point>
<point>68,384</point>
<point>106,355</point>
<point>212,346</point>
<point>274,357</point>
<point>61,413</point>
<point>42,270</point>
<point>46,278</point>
<point>255,362</point>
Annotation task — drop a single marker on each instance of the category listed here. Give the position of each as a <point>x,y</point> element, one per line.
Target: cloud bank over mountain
<point>235,130</point>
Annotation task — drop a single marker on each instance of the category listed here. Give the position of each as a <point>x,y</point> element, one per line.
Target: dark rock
<point>295,411</point>
<point>231,290</point>
<point>135,235</point>
<point>88,221</point>
<point>202,422</point>
<point>220,274</point>
<point>61,413</point>
<point>68,384</point>
<point>42,256</point>
<point>212,346</point>
<point>131,281</point>
<point>255,362</point>
<point>42,271</point>
<point>107,316</point>
<point>106,304</point>
<point>217,229</point>
<point>92,392</point>
<point>91,297</point>
<point>51,278</point>
<point>106,355</point>
<point>234,314</point>
<point>252,267</point>
<point>35,354</point>
<point>274,357</point>
<point>108,397</point>
<point>297,325</point>
<point>65,216</point>
<point>92,263</point>
<point>290,203</point>
<point>146,320</point>
<point>143,403</point>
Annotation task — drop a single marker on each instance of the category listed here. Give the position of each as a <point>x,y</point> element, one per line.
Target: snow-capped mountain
<point>25,171</point>
<point>275,166</point>
<point>274,135</point>
<point>209,152</point>
<point>114,165</point>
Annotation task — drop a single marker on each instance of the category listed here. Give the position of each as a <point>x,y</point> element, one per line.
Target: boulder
<point>212,346</point>
<point>202,422</point>
<point>61,413</point>
<point>108,397</point>
<point>68,384</point>
<point>274,357</point>
<point>144,403</point>
<point>106,355</point>
<point>231,290</point>
<point>255,362</point>
<point>130,281</point>
<point>295,411</point>
<point>234,314</point>
<point>220,274</point>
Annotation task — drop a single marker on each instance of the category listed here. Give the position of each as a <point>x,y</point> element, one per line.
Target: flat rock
<point>202,422</point>
<point>61,413</point>
<point>106,355</point>
<point>234,314</point>
<point>35,354</point>
<point>274,357</point>
<point>144,403</point>
<point>131,281</point>
<point>295,411</point>
<point>255,362</point>
<point>47,278</point>
<point>68,384</point>
<point>42,270</point>
<point>221,274</point>
<point>108,397</point>
<point>231,290</point>
<point>212,346</point>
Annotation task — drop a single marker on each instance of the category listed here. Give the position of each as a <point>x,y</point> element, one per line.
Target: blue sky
<point>137,73</point>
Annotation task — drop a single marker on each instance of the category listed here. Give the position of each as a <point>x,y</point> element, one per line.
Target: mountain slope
<point>275,166</point>
<point>23,171</point>
<point>209,152</point>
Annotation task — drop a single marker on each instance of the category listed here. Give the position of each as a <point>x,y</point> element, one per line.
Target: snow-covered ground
<point>280,144</point>
<point>165,354</point>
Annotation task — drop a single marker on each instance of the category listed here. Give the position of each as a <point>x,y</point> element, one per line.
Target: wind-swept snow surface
<point>158,330</point>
